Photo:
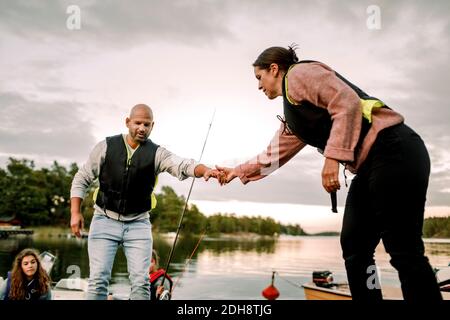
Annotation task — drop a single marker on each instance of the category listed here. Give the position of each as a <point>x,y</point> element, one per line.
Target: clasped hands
<point>330,175</point>
<point>223,175</point>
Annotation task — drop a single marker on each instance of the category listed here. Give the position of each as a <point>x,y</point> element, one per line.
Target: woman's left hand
<point>330,175</point>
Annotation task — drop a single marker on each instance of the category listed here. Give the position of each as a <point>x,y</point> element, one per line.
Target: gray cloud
<point>118,23</point>
<point>49,129</point>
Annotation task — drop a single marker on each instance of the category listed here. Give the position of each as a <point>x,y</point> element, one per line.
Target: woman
<point>387,196</point>
<point>28,280</point>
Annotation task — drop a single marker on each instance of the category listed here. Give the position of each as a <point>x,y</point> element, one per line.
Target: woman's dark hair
<point>283,57</point>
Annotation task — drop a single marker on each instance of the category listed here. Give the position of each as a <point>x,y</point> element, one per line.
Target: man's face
<point>140,125</point>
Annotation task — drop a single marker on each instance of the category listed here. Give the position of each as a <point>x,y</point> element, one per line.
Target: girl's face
<point>29,266</point>
<point>269,81</point>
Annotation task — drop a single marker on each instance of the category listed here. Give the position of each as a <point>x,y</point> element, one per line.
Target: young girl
<point>28,280</point>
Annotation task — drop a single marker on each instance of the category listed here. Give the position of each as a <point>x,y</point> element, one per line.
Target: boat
<point>323,288</point>
<point>70,289</point>
<point>341,291</point>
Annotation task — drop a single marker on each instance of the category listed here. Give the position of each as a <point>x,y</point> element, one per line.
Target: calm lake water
<point>220,268</point>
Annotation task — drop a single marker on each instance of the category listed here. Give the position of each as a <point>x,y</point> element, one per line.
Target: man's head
<point>140,123</point>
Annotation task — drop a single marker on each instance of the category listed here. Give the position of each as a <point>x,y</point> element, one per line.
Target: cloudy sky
<point>62,89</point>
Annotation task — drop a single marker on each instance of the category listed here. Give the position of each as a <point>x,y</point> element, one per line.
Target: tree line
<point>41,197</point>
<point>437,227</point>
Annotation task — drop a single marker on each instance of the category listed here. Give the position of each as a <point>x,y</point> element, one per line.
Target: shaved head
<point>141,109</point>
<point>139,124</point>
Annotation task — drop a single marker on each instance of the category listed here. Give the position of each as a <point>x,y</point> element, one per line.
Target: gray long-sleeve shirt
<point>165,161</point>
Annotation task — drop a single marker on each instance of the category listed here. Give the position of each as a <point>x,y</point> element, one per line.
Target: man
<point>127,166</point>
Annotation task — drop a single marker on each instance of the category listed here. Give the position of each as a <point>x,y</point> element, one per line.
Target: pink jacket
<point>317,83</point>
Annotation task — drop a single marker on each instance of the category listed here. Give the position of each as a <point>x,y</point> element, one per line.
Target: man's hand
<point>77,223</point>
<point>203,171</point>
<point>330,175</point>
<point>213,173</point>
<point>228,174</point>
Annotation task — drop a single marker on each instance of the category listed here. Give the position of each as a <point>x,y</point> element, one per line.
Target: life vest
<point>127,183</point>
<point>155,281</point>
<point>159,274</point>
<point>312,124</point>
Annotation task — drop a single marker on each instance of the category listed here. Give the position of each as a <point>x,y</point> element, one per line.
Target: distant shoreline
<point>53,231</point>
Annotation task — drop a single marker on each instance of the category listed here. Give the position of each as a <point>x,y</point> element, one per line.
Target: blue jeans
<point>105,236</point>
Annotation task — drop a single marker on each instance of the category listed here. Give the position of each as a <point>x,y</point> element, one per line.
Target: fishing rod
<point>185,206</point>
<point>190,257</point>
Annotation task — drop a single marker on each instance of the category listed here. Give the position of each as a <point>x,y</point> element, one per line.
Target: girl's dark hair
<point>283,57</point>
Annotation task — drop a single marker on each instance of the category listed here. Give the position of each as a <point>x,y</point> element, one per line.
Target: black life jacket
<point>126,184</point>
<point>312,124</point>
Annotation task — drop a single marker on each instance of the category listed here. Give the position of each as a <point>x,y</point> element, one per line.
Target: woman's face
<point>269,81</point>
<point>29,266</point>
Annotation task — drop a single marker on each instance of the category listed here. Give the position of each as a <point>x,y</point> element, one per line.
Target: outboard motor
<point>323,279</point>
<point>443,278</point>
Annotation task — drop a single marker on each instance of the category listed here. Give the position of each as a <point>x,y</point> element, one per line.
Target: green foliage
<point>436,227</point>
<point>35,197</point>
<point>166,215</point>
<point>293,230</point>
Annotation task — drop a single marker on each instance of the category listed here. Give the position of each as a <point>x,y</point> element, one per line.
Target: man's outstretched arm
<point>181,168</point>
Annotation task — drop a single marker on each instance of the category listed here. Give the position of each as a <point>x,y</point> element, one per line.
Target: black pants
<point>386,201</point>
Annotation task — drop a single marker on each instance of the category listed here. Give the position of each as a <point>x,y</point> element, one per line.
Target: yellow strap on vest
<point>367,107</point>
<point>286,86</point>
<point>94,196</point>
<point>154,201</point>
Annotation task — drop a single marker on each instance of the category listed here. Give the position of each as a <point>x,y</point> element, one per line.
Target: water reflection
<point>72,253</point>
<point>221,268</point>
